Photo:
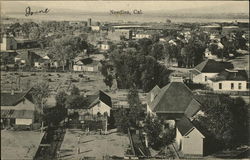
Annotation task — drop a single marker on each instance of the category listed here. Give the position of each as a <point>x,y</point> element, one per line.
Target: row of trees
<point>131,69</point>
<point>40,93</point>
<point>36,31</point>
<point>230,45</point>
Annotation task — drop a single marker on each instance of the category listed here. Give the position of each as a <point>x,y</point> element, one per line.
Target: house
<point>119,34</point>
<point>190,141</point>
<point>95,28</point>
<point>172,101</point>
<point>142,35</point>
<point>86,65</point>
<point>231,80</point>
<point>7,57</point>
<point>208,69</point>
<point>8,43</point>
<point>93,116</point>
<point>17,110</point>
<point>28,58</point>
<point>99,105</point>
<point>105,46</point>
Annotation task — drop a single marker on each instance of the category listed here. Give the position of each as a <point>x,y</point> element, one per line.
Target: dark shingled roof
<point>11,100</point>
<point>17,114</point>
<point>184,125</point>
<point>238,75</point>
<point>175,97</point>
<point>212,66</point>
<point>99,96</point>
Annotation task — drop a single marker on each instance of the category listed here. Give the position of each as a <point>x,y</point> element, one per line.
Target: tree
<point>157,51</point>
<point>61,98</point>
<point>133,69</point>
<point>108,80</point>
<point>136,108</point>
<point>67,48</point>
<point>76,101</point>
<point>34,33</point>
<point>121,120</point>
<point>225,118</point>
<point>40,92</point>
<point>158,134</point>
<point>75,91</point>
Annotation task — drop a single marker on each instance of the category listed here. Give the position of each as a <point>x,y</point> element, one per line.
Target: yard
<point>93,145</point>
<point>19,144</point>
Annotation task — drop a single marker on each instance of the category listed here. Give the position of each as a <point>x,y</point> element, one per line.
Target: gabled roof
<point>17,114</point>
<point>185,126</point>
<point>99,96</point>
<point>230,75</point>
<point>175,97</point>
<point>7,99</point>
<point>155,91</point>
<point>212,66</point>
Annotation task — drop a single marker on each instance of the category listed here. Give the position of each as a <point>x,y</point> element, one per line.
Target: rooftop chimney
<point>176,79</point>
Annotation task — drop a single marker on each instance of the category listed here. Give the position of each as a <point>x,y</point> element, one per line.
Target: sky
<point>146,6</point>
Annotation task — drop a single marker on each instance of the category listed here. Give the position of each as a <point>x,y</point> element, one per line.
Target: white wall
<point>7,43</point>
<point>193,143</point>
<point>95,28</point>
<point>141,36</point>
<point>178,139</point>
<point>200,78</point>
<point>226,86</point>
<point>105,47</point>
<point>100,107</point>
<point>22,121</point>
<point>85,68</point>
<point>37,64</point>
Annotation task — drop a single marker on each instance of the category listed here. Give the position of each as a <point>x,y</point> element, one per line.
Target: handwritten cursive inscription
<point>29,12</point>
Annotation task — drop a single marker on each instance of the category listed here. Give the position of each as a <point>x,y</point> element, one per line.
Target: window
<point>220,85</point>
<point>205,78</point>
<point>239,86</point>
<point>232,85</point>
<point>248,85</point>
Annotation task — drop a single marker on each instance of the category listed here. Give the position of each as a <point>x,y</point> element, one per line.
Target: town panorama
<point>110,80</point>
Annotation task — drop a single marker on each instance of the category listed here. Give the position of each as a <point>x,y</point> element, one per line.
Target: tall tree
<point>61,98</point>
<point>40,92</point>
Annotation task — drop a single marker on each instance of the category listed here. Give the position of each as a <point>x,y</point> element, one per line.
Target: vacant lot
<point>19,144</point>
<point>85,81</point>
<point>93,145</point>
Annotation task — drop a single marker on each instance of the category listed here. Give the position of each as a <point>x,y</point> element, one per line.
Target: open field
<point>57,81</point>
<point>19,144</point>
<point>93,145</point>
